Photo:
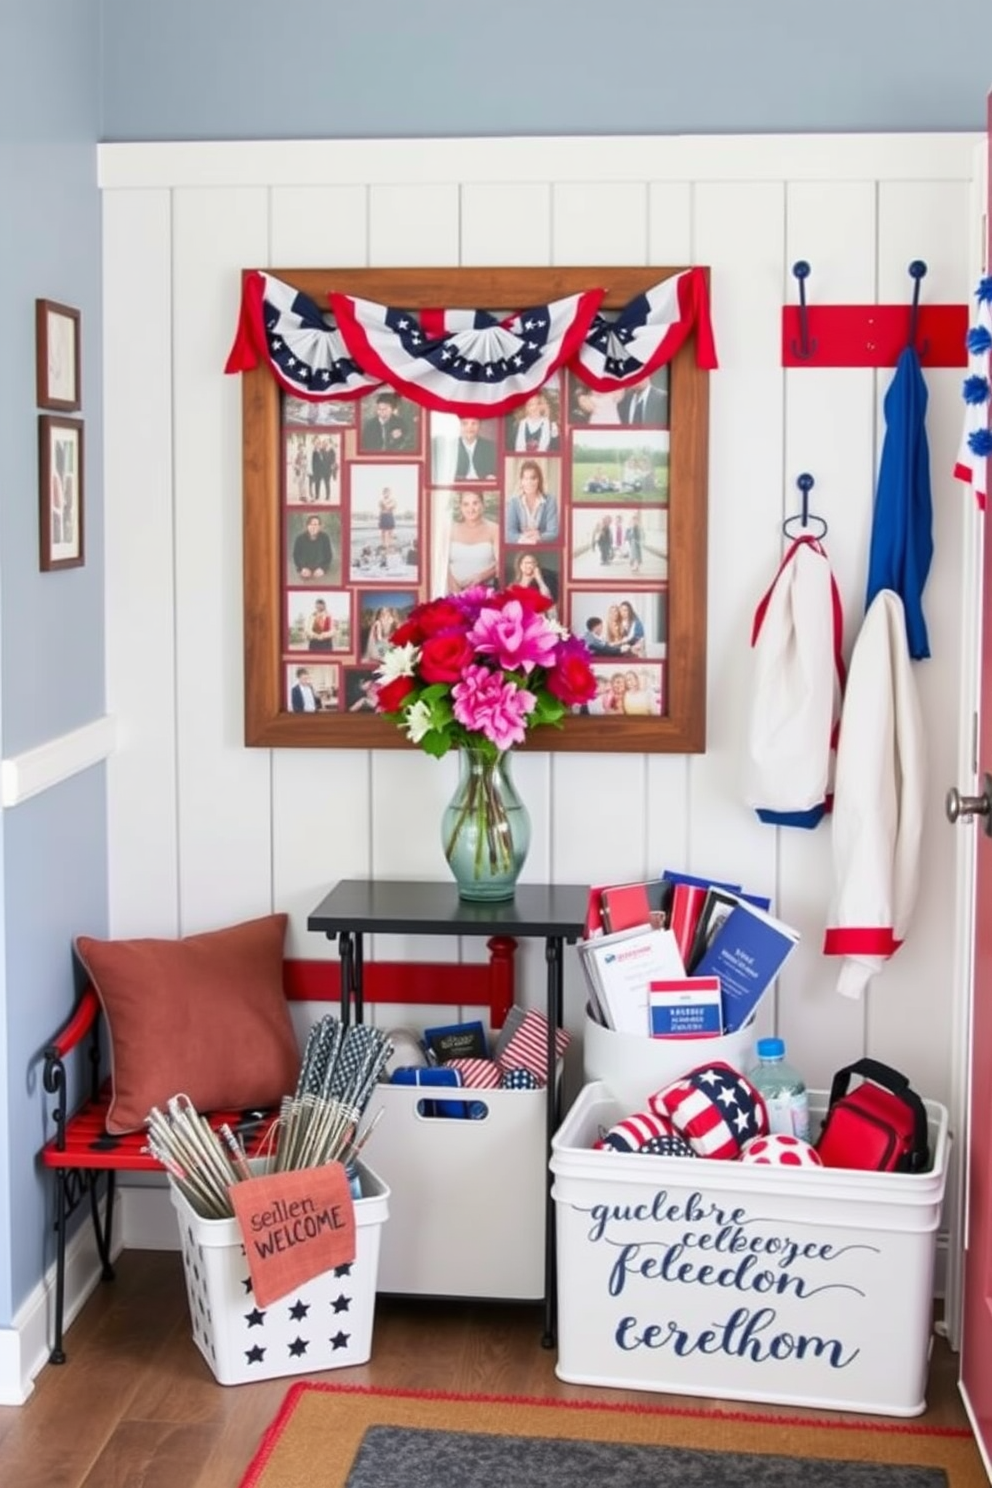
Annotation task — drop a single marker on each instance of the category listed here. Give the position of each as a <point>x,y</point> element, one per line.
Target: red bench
<point>80,1148</point>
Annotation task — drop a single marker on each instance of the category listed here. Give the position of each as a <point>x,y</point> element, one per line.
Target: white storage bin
<point>326,1324</point>
<point>635,1067</point>
<point>466,1196</point>
<point>807,1287</point>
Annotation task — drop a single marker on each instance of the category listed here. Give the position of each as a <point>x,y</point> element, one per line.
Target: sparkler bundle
<point>318,1124</point>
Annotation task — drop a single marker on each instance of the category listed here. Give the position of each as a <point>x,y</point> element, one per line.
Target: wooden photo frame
<point>60,492</point>
<point>58,356</point>
<point>666,680</point>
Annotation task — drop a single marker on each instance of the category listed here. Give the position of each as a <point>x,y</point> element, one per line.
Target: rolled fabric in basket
<point>477,1074</point>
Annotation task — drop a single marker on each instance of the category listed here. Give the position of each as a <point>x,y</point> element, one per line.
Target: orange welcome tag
<point>295,1226</point>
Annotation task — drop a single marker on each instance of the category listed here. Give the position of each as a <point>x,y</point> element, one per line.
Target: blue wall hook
<point>805,517</point>
<point>805,348</point>
<point>917,272</point>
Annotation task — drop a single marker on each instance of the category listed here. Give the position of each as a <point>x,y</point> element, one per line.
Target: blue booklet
<point>747,953</point>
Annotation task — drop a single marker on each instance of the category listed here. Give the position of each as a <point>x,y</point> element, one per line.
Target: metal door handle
<point>957,806</point>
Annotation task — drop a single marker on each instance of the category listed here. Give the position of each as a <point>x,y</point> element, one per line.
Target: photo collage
<point>386,504</point>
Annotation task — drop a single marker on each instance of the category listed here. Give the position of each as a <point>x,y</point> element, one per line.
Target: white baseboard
<point>26,1345</point>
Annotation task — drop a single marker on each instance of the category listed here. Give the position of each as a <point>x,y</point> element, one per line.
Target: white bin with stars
<point>326,1324</point>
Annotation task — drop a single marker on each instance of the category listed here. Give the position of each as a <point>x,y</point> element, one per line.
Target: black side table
<point>553,912</point>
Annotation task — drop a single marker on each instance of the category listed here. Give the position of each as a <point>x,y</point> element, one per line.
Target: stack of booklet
<point>680,957</point>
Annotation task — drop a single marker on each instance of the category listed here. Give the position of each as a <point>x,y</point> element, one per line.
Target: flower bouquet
<point>476,671</point>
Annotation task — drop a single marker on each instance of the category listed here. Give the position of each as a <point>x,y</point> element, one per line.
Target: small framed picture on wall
<point>57,356</point>
<point>60,491</point>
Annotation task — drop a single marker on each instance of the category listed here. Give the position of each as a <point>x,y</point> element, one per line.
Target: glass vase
<point>485,830</point>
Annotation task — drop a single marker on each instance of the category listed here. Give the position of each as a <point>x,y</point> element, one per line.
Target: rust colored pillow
<point>205,1016</point>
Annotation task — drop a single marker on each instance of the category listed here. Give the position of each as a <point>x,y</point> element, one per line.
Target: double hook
<point>804,517</point>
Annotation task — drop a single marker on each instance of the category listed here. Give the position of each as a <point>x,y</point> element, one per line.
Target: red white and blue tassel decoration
<point>972,465</point>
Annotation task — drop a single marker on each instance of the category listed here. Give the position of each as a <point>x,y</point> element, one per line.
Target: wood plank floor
<point>136,1406</point>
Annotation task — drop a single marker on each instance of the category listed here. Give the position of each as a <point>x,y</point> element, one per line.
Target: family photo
<point>389,425</point>
<point>384,536</point>
<point>313,547</point>
<point>615,624</point>
<point>334,413</point>
<point>465,542</point>
<point>313,689</point>
<point>318,622</point>
<point>626,691</point>
<point>632,467</point>
<point>380,613</point>
<point>632,543</point>
<point>312,468</point>
<point>531,508</point>
<point>535,568</point>
<point>639,404</point>
<point>535,428</point>
<point>462,449</point>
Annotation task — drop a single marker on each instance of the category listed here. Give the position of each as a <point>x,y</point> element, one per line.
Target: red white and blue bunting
<point>299,341</point>
<point>465,361</point>
<point>647,333</point>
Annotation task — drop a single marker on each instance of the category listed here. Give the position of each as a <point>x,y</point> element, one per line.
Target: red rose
<point>444,657</point>
<point>391,695</point>
<point>406,633</point>
<point>531,599</point>
<point>571,681</point>
<point>441,615</point>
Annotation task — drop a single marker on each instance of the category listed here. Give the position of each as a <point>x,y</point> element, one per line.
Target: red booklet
<point>687,906</point>
<point>629,906</point>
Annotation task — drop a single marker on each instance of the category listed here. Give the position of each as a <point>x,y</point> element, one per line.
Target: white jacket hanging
<point>798,680</point>
<point>878,800</point>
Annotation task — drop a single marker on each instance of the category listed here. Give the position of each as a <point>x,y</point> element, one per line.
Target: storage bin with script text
<point>804,1286</point>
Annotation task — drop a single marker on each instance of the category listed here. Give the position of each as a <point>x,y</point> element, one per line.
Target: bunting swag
<point>298,340</point>
<point>647,332</point>
<point>465,361</point>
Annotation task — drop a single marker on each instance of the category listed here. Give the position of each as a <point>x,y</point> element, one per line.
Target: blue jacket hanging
<point>902,524</point>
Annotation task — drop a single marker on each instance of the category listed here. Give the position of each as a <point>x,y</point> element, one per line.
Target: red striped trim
<point>849,940</point>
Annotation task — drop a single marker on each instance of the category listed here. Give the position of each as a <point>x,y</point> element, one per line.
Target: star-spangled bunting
<point>297,339</point>
<point>627,347</point>
<point>464,361</point>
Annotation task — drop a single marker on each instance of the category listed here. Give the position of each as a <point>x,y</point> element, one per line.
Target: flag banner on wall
<point>647,332</point>
<point>462,361</point>
<point>466,361</point>
<point>972,463</point>
<point>298,340</point>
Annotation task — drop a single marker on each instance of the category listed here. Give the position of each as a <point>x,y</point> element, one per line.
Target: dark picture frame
<point>58,356</point>
<point>61,470</point>
<point>680,638</point>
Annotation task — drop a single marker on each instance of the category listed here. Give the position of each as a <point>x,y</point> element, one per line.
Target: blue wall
<point>53,847</point>
<point>251,69</point>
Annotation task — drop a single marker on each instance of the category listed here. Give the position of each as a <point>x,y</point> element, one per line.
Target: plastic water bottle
<point>783,1088</point>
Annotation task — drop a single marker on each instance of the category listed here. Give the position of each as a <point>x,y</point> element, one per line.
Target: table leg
<point>358,979</point>
<point>346,952</point>
<point>555,1014</point>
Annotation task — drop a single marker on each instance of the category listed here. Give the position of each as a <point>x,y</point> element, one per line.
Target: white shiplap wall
<point>203,831</point>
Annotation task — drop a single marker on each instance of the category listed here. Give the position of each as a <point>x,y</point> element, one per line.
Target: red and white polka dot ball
<point>782,1151</point>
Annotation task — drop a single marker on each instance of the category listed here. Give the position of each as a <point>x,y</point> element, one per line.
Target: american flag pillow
<point>715,1108</point>
<point>527,1047</point>
<point>634,1132</point>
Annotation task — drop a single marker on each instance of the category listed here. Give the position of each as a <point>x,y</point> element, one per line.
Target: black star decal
<point>255,1355</point>
<point>298,1347</point>
<point>299,1310</point>
<point>340,1340</point>
<point>341,1304</point>
<point>255,1319</point>
<point>343,1270</point>
<point>246,1283</point>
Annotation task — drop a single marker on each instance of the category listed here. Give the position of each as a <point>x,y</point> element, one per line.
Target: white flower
<point>417,721</point>
<point>399,661</point>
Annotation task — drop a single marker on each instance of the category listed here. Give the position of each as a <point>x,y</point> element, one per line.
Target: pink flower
<point>516,638</point>
<point>486,704</point>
